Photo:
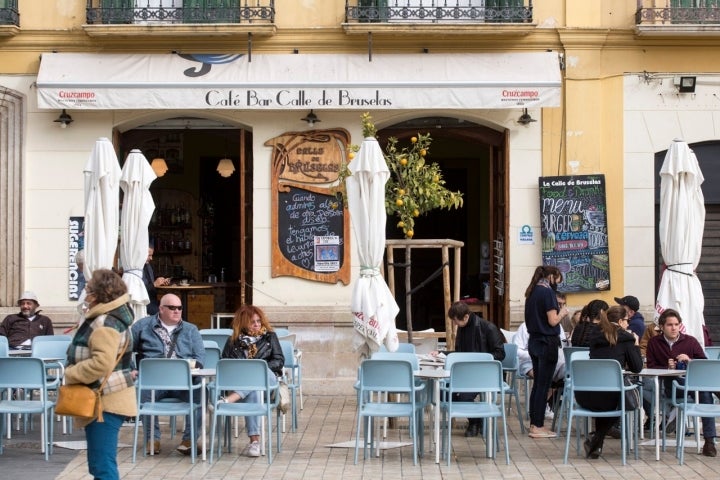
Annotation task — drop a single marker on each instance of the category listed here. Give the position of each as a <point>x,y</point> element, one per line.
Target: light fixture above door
<point>225,167</point>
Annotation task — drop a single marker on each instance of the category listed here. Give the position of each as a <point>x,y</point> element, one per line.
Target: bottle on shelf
<point>222,275</point>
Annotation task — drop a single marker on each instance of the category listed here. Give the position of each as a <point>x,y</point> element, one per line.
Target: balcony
<point>9,18</point>
<point>180,17</point>
<point>678,18</point>
<point>439,16</point>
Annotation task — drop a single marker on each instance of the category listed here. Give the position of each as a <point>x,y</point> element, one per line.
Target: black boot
<point>473,429</point>
<point>593,446</point>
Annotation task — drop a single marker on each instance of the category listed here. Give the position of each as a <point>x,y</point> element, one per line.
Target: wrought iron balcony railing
<point>439,11</point>
<point>158,12</point>
<point>9,13</point>
<point>678,12</point>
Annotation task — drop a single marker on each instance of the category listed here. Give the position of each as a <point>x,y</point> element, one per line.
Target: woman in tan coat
<point>101,337</point>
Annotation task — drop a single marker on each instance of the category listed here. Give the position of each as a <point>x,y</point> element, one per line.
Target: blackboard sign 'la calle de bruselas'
<point>310,228</point>
<point>574,230</point>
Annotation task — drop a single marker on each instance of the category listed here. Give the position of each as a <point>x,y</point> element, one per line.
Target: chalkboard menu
<point>574,231</point>
<point>310,225</point>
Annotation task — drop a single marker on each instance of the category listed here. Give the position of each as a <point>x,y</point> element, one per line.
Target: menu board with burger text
<point>573,227</point>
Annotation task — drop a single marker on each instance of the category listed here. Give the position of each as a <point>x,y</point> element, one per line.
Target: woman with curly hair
<point>253,337</point>
<point>102,335</point>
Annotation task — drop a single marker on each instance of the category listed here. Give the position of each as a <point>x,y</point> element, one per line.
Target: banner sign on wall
<point>76,243</point>
<point>101,81</point>
<point>574,231</point>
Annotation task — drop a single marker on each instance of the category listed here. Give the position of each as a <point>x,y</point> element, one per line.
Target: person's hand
<point>161,281</point>
<point>682,358</point>
<point>434,353</point>
<point>134,374</point>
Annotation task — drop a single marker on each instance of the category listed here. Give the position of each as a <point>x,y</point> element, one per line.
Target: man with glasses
<point>166,335</point>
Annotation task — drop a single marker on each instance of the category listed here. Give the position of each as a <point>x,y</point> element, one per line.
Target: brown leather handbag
<point>79,400</point>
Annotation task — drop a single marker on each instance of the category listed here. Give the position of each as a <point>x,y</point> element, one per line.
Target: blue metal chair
<point>702,376</point>
<point>560,407</point>
<point>712,353</point>
<point>291,377</point>
<point>4,347</point>
<point>244,375</point>
<point>402,348</point>
<point>485,377</point>
<point>600,375</point>
<point>281,332</point>
<point>217,335</point>
<point>377,376</point>
<point>165,374</point>
<point>510,368</point>
<point>29,374</point>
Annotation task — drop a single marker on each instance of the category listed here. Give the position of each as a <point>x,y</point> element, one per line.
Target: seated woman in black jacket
<point>611,341</point>
<point>589,320</point>
<point>253,337</point>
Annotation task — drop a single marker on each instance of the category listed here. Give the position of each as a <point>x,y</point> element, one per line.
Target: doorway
<point>473,160</point>
<point>202,225</point>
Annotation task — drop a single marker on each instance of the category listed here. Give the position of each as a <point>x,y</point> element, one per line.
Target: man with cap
<point>21,328</point>
<point>637,321</point>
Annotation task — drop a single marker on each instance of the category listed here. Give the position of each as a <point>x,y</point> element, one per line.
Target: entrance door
<point>473,160</point>
<point>202,226</point>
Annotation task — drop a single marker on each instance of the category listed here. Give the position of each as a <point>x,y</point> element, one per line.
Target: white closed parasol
<point>373,306</point>
<point>138,207</point>
<point>682,221</point>
<point>102,204</point>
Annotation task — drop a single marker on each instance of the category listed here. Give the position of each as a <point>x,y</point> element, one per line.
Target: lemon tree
<point>415,186</point>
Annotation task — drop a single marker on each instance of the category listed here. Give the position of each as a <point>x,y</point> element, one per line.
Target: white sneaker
<point>253,450</point>
<point>549,414</point>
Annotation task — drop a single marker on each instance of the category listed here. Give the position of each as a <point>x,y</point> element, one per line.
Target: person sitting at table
<point>589,319</point>
<point>166,335</point>
<point>20,328</point>
<point>610,341</point>
<point>671,348</point>
<point>253,337</point>
<point>474,334</point>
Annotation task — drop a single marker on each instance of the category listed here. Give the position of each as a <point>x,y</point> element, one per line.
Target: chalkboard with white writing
<point>573,216</point>
<point>305,215</point>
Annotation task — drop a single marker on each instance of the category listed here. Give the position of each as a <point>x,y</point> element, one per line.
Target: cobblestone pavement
<point>326,420</point>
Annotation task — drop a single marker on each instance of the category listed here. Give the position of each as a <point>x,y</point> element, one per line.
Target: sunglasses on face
<point>174,308</point>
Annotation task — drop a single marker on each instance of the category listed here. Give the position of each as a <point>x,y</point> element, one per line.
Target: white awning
<point>99,81</point>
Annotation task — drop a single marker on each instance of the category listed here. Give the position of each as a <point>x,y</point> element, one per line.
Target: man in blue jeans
<point>669,348</point>
<point>166,335</point>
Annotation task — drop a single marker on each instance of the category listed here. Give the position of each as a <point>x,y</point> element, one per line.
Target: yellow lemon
<point>409,233</point>
<point>399,202</point>
<point>423,152</point>
<point>403,161</point>
<point>351,155</point>
<point>401,224</point>
<point>413,140</point>
<point>401,191</point>
<point>416,213</point>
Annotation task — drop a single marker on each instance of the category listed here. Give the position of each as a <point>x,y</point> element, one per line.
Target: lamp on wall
<point>311,118</point>
<point>685,84</point>
<point>225,167</point>
<point>64,119</point>
<point>159,166</point>
<point>525,118</point>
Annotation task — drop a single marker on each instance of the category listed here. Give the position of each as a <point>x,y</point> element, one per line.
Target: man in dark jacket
<point>21,328</point>
<point>474,334</point>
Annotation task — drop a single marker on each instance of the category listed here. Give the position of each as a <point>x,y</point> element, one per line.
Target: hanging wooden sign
<point>310,224</point>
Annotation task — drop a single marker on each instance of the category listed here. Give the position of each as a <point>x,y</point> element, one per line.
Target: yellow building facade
<point>609,105</point>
